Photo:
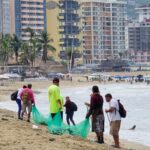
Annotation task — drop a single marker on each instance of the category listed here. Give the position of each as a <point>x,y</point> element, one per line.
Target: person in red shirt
<point>27,98</point>
<point>96,110</point>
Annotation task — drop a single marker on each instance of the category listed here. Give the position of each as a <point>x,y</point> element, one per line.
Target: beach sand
<point>19,135</point>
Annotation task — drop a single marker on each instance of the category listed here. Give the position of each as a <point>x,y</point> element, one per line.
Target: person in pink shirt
<point>27,98</point>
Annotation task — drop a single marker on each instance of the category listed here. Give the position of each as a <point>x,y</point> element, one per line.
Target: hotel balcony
<point>60,17</point>
<point>61,42</point>
<point>69,4</point>
<point>69,42</point>
<point>61,30</point>
<point>68,17</point>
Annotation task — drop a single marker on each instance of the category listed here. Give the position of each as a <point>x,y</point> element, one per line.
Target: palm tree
<point>24,54</point>
<point>120,55</point>
<point>33,46</point>
<point>15,45</point>
<point>34,50</point>
<point>5,51</point>
<point>71,54</point>
<point>29,30</point>
<point>44,43</point>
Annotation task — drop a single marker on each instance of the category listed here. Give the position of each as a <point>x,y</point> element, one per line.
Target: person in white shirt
<point>114,117</point>
<point>18,101</point>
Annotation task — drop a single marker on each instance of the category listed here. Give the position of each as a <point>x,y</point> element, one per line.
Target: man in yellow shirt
<point>54,97</point>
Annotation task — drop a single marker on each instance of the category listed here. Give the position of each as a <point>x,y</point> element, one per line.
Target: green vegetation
<point>25,52</point>
<point>71,55</point>
<point>5,48</point>
<point>44,45</point>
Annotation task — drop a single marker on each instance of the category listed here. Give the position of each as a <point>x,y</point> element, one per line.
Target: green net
<point>56,125</point>
<point>39,118</point>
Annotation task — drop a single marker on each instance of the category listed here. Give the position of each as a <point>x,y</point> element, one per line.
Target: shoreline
<point>24,130</point>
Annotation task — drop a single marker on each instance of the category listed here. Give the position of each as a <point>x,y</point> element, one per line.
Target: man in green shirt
<point>54,97</point>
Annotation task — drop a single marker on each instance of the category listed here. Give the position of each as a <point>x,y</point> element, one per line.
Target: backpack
<point>122,111</point>
<point>14,96</point>
<point>74,106</point>
<point>25,97</point>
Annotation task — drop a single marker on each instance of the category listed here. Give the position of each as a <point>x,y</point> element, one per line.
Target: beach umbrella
<point>4,77</point>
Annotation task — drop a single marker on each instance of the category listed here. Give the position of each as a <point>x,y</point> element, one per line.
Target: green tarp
<point>56,125</point>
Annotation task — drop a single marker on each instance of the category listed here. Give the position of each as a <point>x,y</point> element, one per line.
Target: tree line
<point>25,52</point>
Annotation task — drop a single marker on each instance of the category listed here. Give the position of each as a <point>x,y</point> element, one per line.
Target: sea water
<point>135,97</point>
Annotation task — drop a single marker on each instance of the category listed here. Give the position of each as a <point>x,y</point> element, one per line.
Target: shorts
<point>115,127</point>
<point>27,105</point>
<point>98,123</point>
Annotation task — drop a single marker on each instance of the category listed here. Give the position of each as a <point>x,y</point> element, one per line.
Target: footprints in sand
<point>52,139</point>
<point>4,119</point>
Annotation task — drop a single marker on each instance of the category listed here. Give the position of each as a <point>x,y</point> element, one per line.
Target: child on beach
<point>70,108</point>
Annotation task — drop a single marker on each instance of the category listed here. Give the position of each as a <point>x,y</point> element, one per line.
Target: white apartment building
<point>138,39</point>
<point>143,12</point>
<point>103,23</point>
<point>29,14</point>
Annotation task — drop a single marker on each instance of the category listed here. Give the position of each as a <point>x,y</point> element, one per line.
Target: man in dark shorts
<point>96,110</point>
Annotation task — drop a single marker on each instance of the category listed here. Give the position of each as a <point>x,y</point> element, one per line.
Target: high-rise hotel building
<point>4,16</point>
<point>29,14</point>
<point>103,23</point>
<point>138,36</point>
<point>63,24</point>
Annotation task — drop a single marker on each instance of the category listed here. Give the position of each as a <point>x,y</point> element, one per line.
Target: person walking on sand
<point>18,101</point>
<point>27,98</point>
<point>71,107</point>
<point>54,97</point>
<point>114,118</point>
<point>96,110</point>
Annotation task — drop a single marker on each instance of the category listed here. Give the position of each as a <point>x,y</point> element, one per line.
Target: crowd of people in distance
<point>25,100</point>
